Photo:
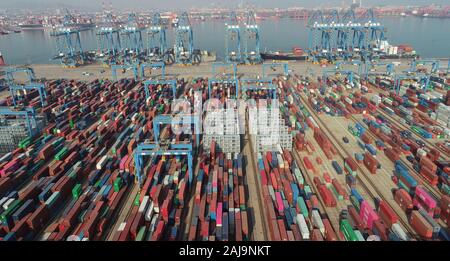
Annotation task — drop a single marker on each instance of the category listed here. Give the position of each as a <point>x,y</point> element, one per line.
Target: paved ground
<point>55,71</point>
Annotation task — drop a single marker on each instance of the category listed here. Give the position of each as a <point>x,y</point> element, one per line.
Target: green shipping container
<point>347,230</point>
<point>338,196</point>
<point>403,186</point>
<point>307,189</point>
<point>52,199</point>
<point>445,189</point>
<point>359,236</point>
<point>302,206</point>
<point>347,167</point>
<point>117,184</point>
<point>141,234</point>
<point>76,191</point>
<point>136,200</point>
<point>355,202</point>
<point>60,155</point>
<point>11,209</point>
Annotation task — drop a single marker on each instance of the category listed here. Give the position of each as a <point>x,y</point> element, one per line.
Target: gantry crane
<point>371,68</point>
<point>223,66</point>
<point>376,29</point>
<point>423,78</point>
<point>177,119</point>
<point>434,65</point>
<point>348,73</point>
<point>273,66</point>
<point>344,34</point>
<point>157,42</point>
<point>15,87</point>
<point>109,41</point>
<point>28,113</point>
<point>11,71</point>
<point>254,84</point>
<point>171,83</point>
<point>40,87</point>
<point>133,46</point>
<point>233,52</point>
<point>322,39</point>
<point>252,53</point>
<point>68,44</point>
<point>156,149</point>
<point>358,63</point>
<point>184,43</point>
<point>124,68</point>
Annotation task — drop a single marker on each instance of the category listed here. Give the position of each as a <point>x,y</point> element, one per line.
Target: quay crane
<point>185,54</point>
<point>233,52</point>
<point>333,37</point>
<point>157,42</point>
<point>133,50</point>
<point>68,44</point>
<point>252,53</point>
<point>109,44</point>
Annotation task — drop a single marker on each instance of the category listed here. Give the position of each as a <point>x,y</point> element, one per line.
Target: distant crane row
<point>332,37</point>
<point>124,45</point>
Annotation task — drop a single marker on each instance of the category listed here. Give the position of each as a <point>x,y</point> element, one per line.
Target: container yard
<point>108,161</point>
<point>243,150</point>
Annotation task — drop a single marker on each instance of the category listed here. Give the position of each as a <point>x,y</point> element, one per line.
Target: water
<point>430,38</point>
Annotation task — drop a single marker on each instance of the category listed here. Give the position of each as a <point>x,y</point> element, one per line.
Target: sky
<point>185,4</point>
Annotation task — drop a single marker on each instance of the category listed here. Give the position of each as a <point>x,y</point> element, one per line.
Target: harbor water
<point>430,37</point>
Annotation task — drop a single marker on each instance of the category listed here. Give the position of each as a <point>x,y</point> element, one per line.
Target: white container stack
<point>443,115</point>
<point>224,129</point>
<point>268,130</point>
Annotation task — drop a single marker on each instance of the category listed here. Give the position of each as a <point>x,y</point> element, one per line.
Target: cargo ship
<point>32,24</point>
<point>297,54</point>
<point>2,61</point>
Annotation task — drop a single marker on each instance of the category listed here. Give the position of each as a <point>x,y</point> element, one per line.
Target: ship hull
<point>282,57</point>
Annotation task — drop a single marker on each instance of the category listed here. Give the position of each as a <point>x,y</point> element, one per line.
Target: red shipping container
<point>356,219</point>
<point>387,214</point>
<point>429,175</point>
<point>426,162</point>
<point>365,138</point>
<point>282,230</point>
<point>327,197</point>
<point>381,229</point>
<point>420,225</point>
<point>330,235</point>
<point>392,154</point>
<point>370,162</point>
<point>404,200</point>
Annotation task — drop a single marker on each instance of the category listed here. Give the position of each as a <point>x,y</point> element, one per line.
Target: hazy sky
<point>136,4</point>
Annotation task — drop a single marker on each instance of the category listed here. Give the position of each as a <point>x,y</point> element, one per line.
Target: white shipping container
<point>101,162</point>
<point>421,153</point>
<point>150,211</point>
<point>424,96</point>
<point>271,192</point>
<point>399,232</point>
<point>348,100</point>
<point>153,223</point>
<point>387,101</point>
<point>376,99</point>
<point>7,203</point>
<point>143,205</point>
<point>280,161</point>
<point>3,200</point>
<point>301,223</point>
<point>122,226</point>
<point>317,221</point>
